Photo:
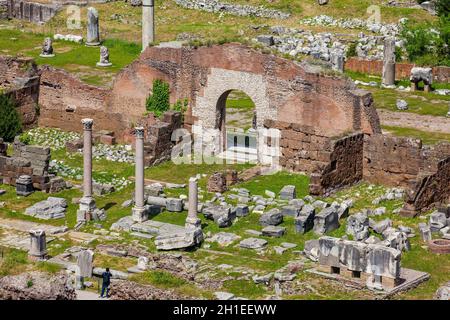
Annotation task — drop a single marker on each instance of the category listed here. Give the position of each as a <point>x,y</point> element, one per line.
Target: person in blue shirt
<point>106,282</point>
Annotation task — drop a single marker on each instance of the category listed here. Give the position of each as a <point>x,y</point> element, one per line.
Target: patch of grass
<point>426,136</point>
<point>244,288</point>
<point>160,279</point>
<point>48,267</point>
<point>14,261</point>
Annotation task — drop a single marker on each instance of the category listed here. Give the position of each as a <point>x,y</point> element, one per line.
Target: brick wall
<point>19,79</point>
<point>302,148</point>
<point>158,144</point>
<point>430,190</point>
<point>402,70</point>
<point>65,100</point>
<point>345,166</point>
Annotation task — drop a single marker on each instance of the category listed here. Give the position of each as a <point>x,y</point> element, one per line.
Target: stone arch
<point>220,83</point>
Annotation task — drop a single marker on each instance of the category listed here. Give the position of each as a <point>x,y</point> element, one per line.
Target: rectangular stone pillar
<point>148,23</point>
<point>93,33</point>
<point>139,212</point>
<point>388,78</point>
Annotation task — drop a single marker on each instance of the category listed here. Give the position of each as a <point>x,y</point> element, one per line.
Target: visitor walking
<point>106,276</point>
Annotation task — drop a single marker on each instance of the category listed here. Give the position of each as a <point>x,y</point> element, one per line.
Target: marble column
<point>87,202</point>
<point>388,78</point>
<point>192,220</point>
<point>148,23</point>
<point>93,33</point>
<point>139,211</point>
<point>38,245</point>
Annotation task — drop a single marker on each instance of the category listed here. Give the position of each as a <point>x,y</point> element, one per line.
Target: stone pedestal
<point>93,33</point>
<point>148,23</point>
<point>24,186</point>
<point>38,245</point>
<point>87,202</point>
<point>388,78</point>
<point>192,221</point>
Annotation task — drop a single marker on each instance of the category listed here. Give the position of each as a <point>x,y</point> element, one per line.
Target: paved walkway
<point>88,295</point>
<point>415,121</point>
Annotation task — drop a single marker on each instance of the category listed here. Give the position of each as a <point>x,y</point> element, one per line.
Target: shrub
<point>351,51</point>
<point>426,43</point>
<point>10,122</point>
<point>158,102</point>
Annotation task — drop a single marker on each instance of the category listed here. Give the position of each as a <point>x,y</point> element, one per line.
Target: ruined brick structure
<point>26,160</point>
<point>19,79</point>
<point>31,11</point>
<point>328,128</point>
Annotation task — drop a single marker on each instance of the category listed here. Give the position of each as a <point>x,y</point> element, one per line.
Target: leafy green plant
<point>427,43</point>
<point>25,138</point>
<point>158,101</point>
<point>351,51</point>
<point>29,283</point>
<point>10,122</point>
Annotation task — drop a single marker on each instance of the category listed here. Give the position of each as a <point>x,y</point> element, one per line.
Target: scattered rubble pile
<point>52,208</point>
<point>354,23</point>
<point>36,286</point>
<point>127,290</point>
<point>234,9</point>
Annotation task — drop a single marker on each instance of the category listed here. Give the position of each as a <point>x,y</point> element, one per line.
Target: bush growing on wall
<point>10,122</point>
<point>158,101</point>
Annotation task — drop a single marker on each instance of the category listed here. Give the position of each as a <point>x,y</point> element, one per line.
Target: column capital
<point>87,123</point>
<point>139,132</point>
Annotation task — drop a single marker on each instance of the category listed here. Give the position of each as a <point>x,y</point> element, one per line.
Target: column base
<point>87,206</point>
<point>139,214</point>
<point>193,223</point>
<point>37,256</point>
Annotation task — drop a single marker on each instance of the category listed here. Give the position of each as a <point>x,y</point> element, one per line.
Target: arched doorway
<point>236,119</point>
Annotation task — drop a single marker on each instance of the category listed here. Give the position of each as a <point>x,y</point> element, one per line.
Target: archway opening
<point>239,127</point>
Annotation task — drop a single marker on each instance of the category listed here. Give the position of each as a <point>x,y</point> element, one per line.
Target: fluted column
<point>139,210</point>
<point>38,245</point>
<point>388,78</point>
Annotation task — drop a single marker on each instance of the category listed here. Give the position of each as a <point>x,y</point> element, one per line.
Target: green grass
<point>160,279</point>
<point>426,136</point>
<point>245,288</point>
<point>14,261</point>
<point>73,57</point>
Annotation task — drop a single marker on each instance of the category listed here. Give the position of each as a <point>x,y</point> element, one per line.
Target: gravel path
<point>413,120</point>
<point>88,295</point>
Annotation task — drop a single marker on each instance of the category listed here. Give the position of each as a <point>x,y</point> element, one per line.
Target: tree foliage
<point>10,122</point>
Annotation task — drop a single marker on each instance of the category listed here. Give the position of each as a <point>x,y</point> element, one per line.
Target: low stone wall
<point>27,160</point>
<point>31,11</point>
<point>345,166</point>
<point>402,70</point>
<point>19,79</point>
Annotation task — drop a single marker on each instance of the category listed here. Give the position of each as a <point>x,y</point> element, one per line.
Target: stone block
<point>326,221</point>
<point>242,210</point>
<point>288,192</point>
<point>290,211</point>
<point>253,243</point>
<point>271,218</point>
<point>273,231</point>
